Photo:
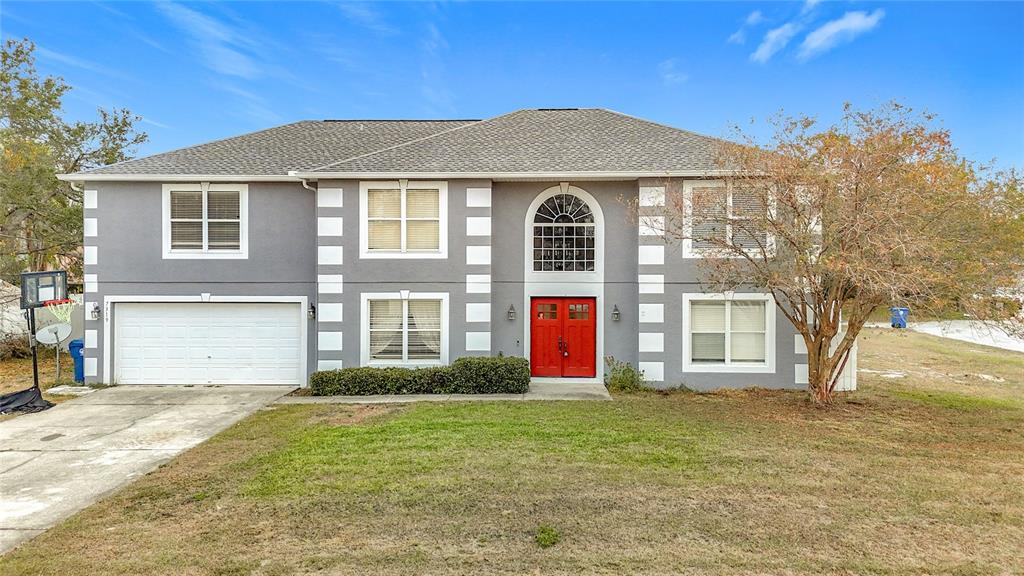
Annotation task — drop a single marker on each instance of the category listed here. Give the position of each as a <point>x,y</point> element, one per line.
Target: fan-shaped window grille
<point>563,235</point>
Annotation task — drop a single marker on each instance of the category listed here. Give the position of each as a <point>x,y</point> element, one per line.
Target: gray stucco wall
<point>129,251</point>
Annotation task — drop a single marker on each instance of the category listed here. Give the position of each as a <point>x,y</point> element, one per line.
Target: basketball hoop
<point>61,309</point>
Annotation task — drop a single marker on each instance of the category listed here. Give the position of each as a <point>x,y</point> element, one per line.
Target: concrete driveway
<point>57,462</point>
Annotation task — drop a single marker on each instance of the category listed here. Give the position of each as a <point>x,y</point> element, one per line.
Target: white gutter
<point>177,178</point>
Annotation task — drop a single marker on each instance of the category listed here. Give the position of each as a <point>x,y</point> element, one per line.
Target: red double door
<point>563,337</point>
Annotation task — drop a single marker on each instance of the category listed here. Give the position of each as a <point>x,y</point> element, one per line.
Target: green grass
<point>916,475</point>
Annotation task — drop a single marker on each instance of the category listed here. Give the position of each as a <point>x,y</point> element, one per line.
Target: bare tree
<point>836,222</point>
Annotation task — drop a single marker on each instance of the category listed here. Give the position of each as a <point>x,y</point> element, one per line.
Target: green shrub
<point>622,376</point>
<point>490,375</point>
<point>546,536</point>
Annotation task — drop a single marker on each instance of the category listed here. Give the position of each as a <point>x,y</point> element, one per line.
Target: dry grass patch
<point>750,482</point>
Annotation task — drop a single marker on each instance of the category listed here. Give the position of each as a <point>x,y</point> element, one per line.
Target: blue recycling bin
<point>898,317</point>
<point>76,349</point>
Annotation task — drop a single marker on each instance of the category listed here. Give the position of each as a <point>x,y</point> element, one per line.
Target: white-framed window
<point>403,219</point>
<point>732,332</point>
<point>404,329</point>
<point>564,235</point>
<point>205,220</point>
<point>728,217</point>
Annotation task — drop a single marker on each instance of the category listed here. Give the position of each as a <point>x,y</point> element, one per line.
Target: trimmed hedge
<point>470,375</point>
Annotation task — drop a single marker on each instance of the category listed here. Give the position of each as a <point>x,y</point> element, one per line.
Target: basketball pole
<point>32,341</point>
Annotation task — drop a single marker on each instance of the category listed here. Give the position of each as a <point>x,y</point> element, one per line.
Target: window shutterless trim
<point>205,253</point>
<point>364,328</point>
<point>689,251</point>
<point>766,367</point>
<point>403,253</point>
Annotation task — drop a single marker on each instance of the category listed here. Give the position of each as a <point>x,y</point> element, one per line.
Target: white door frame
<point>302,301</point>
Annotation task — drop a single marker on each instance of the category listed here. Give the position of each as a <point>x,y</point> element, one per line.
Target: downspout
<point>305,184</point>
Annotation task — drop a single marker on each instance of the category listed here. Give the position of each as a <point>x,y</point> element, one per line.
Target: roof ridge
<point>413,141</point>
<point>396,120</point>
<point>207,143</point>
<point>659,124</point>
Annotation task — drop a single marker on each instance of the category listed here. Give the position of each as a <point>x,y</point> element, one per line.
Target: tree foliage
<point>839,221</point>
<point>40,216</point>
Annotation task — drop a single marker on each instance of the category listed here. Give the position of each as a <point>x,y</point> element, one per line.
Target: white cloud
<point>754,18</point>
<point>79,63</point>
<point>809,5</point>
<point>773,41</point>
<point>223,49</point>
<point>839,31</point>
<point>364,15</point>
<point>740,36</point>
<point>670,74</point>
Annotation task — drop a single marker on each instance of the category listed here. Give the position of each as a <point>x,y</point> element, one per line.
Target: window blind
<point>405,330</point>
<point>728,331</point>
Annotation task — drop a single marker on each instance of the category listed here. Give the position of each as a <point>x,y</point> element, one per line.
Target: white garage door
<point>207,343</point>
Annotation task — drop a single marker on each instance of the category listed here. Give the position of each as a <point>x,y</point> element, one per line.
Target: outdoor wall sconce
<point>615,313</point>
<point>311,312</point>
<point>511,312</point>
<point>95,312</point>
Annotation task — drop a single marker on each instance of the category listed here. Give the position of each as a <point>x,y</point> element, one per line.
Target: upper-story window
<point>721,215</point>
<point>403,219</point>
<point>563,235</point>
<point>204,220</point>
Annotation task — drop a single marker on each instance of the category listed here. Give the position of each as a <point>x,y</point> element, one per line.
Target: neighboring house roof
<point>537,141</point>
<point>276,151</point>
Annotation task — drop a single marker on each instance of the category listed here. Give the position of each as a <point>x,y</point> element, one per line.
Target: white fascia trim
<point>302,301</point>
<point>560,176</point>
<point>767,367</point>
<point>177,178</point>
<point>364,327</point>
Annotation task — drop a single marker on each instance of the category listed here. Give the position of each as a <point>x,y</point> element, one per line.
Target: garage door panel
<point>208,343</point>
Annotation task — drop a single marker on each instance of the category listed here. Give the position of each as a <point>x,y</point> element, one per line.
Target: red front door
<point>563,337</point>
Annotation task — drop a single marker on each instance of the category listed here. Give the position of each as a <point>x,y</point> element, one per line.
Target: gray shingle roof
<point>563,140</point>
<point>275,151</point>
<point>526,141</point>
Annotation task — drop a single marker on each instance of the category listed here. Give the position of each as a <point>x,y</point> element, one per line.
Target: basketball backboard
<point>38,288</point>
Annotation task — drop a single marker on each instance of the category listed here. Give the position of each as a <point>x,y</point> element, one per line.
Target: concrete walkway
<point>57,462</point>
<point>537,391</point>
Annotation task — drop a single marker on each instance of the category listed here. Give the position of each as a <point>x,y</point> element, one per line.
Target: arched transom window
<point>563,235</point>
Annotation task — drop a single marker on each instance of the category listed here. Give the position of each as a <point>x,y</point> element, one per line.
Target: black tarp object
<point>30,400</point>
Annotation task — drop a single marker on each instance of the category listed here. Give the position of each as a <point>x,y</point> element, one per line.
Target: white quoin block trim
<point>478,197</point>
<point>652,195</point>
<point>652,313</point>
<point>652,342</point>
<point>798,344</point>
<point>652,225</point>
<point>330,255</point>
<point>91,338</point>
<point>90,366</point>
<point>652,255</point>
<point>478,283</point>
<point>478,225</point>
<point>651,283</point>
<point>329,225</point>
<point>92,255</point>
<point>478,341</point>
<point>652,371</point>
<point>90,227</point>
<point>330,312</point>
<point>330,283</point>
<point>801,374</point>
<point>478,255</point>
<point>90,198</point>
<point>478,311</point>
<point>329,365</point>
<point>330,197</point>
<point>328,341</point>
<point>92,282</point>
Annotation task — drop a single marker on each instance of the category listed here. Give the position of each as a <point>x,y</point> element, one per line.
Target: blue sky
<point>200,71</point>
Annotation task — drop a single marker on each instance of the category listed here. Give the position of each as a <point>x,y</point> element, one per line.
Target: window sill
<point>403,255</point>
<point>226,255</point>
<point>400,364</point>
<point>729,368</point>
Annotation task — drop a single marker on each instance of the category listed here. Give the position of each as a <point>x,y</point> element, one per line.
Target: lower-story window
<point>733,333</point>
<point>404,331</point>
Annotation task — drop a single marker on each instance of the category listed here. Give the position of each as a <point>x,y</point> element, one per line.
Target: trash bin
<point>75,348</point>
<point>898,317</point>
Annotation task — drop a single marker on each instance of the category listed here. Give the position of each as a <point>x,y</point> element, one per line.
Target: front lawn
<point>921,472</point>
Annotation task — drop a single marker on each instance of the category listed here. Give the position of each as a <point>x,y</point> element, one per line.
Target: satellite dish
<point>53,333</point>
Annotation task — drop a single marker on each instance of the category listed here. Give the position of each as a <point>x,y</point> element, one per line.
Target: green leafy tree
<point>40,216</point>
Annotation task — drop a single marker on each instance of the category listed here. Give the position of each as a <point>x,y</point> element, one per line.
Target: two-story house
<point>326,244</point>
